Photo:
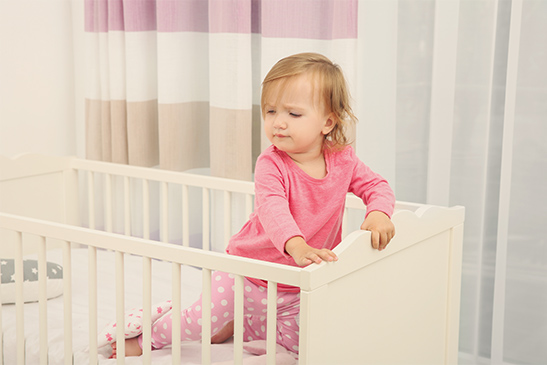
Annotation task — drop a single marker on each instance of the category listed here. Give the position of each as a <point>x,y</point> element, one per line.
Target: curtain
<point>177,83</point>
<point>451,97</point>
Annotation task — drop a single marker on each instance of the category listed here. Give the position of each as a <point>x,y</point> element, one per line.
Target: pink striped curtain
<point>177,83</point>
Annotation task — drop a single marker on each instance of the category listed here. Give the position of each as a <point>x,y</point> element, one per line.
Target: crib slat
<point>67,301</point>
<point>92,287</point>
<point>127,206</point>
<point>206,318</point>
<point>345,223</point>
<point>248,205</point>
<point>108,202</point>
<point>164,234</point>
<point>175,313</point>
<point>42,299</point>
<point>146,209</point>
<point>227,217</point>
<point>206,219</point>
<point>185,217</point>
<point>19,309</point>
<point>271,334</point>
<point>147,309</point>
<point>120,305</point>
<point>91,199</point>
<point>238,319</point>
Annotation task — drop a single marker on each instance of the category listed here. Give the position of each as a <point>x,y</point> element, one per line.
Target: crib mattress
<point>161,291</point>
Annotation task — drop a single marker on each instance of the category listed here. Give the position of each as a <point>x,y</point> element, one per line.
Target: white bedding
<point>161,290</point>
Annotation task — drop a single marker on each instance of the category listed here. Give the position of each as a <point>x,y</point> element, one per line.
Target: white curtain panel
<point>452,100</point>
<point>451,97</point>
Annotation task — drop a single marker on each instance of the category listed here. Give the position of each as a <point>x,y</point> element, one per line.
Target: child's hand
<point>303,254</point>
<point>381,228</point>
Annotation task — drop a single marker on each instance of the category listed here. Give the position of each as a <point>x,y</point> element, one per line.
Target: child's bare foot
<point>224,334</point>
<point>132,348</point>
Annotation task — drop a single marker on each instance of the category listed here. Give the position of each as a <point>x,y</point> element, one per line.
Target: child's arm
<point>303,254</point>
<point>381,228</point>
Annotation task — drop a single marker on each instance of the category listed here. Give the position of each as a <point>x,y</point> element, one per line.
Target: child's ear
<point>329,124</point>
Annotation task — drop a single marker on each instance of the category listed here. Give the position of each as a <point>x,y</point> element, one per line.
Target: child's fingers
<point>318,256</point>
<point>375,239</point>
<point>384,239</point>
<point>313,257</point>
<point>327,255</point>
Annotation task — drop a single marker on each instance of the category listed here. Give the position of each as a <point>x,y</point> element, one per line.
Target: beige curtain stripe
<point>118,120</point>
<point>142,133</point>
<point>106,130</point>
<point>183,135</point>
<point>231,143</point>
<point>93,128</point>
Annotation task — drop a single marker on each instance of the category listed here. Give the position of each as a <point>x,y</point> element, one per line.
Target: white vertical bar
<point>147,309</point>
<point>206,216</point>
<point>108,202</point>
<point>176,315</point>
<point>376,93</point>
<point>120,306</point>
<point>271,335</point>
<point>206,317</point>
<point>67,301</point>
<point>345,223</point>
<point>238,319</point>
<point>498,315</point>
<point>164,234</point>
<point>484,188</point>
<point>42,299</point>
<point>227,217</point>
<point>185,217</point>
<point>443,81</point>
<point>248,205</point>
<point>19,300</point>
<point>92,282</point>
<point>127,206</point>
<point>91,199</point>
<point>146,209</point>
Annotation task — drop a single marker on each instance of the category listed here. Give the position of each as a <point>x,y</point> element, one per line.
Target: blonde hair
<point>333,89</point>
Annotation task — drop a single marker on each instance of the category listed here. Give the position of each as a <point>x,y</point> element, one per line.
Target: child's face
<point>297,121</point>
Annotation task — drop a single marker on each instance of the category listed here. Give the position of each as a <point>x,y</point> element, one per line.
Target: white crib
<point>399,306</point>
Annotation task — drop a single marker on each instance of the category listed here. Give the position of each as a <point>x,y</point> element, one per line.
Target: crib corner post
<point>311,322</point>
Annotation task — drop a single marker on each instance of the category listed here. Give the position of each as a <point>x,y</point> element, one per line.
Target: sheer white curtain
<point>452,97</point>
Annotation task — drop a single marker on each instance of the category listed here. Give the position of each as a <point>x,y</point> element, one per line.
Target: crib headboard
<point>39,187</point>
<point>408,300</point>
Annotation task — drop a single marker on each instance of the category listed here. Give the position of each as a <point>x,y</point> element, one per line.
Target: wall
<point>41,100</point>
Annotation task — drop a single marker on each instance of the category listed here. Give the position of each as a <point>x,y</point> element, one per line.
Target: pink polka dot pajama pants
<point>222,312</point>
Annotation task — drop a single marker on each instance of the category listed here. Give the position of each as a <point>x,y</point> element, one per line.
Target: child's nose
<point>279,122</point>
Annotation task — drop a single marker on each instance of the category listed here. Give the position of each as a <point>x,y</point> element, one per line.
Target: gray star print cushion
<point>31,289</point>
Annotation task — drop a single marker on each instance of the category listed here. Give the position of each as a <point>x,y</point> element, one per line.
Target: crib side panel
<point>393,311</point>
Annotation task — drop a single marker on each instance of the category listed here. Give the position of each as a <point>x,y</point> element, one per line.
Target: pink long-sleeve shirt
<point>289,203</point>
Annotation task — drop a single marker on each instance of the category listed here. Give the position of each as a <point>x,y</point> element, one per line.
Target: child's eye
<point>295,115</point>
<point>271,111</point>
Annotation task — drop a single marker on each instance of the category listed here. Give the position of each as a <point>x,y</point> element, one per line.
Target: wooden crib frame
<point>400,305</point>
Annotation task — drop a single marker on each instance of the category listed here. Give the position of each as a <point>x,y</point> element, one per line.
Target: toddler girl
<point>301,182</point>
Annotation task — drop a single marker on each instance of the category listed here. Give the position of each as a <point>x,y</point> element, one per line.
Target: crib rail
<point>221,190</point>
<point>149,250</point>
<point>101,178</point>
